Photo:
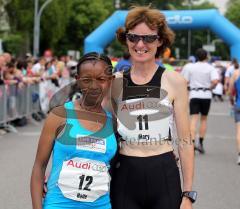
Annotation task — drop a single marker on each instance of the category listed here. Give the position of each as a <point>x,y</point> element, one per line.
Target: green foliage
<point>233,12</point>
<point>21,14</point>
<point>54,22</point>
<point>163,5</point>
<point>85,17</point>
<point>116,49</point>
<point>13,43</point>
<point>66,23</point>
<point>199,37</point>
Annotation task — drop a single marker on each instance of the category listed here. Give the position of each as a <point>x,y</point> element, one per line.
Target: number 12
<point>89,180</point>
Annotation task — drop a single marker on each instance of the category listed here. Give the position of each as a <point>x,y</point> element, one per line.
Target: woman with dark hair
<point>81,139</point>
<point>145,99</point>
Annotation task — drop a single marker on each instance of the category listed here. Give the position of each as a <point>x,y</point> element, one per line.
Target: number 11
<point>140,119</point>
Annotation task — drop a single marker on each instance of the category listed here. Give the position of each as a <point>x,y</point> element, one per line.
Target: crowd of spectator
<point>29,70</point>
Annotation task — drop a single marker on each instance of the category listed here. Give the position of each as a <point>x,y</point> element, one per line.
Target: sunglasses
<point>134,38</point>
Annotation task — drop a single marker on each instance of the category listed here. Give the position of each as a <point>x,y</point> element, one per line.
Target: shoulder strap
<point>159,73</point>
<point>70,112</point>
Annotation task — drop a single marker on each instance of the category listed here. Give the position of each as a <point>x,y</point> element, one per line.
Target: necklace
<point>96,114</point>
<point>88,108</point>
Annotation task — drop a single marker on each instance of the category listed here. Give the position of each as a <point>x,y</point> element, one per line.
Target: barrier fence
<point>18,101</point>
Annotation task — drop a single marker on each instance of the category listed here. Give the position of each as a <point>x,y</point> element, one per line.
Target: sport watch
<point>191,195</point>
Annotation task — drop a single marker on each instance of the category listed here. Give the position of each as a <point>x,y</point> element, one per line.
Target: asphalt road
<point>217,176</point>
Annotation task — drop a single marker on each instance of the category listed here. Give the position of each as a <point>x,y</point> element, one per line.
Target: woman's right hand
<point>45,187</point>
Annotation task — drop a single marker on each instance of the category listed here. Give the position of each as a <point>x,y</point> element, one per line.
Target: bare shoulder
<point>175,79</point>
<point>59,111</point>
<point>57,116</point>
<point>236,74</point>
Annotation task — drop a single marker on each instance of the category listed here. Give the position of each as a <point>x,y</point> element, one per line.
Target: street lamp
<point>189,31</point>
<point>37,19</point>
<point>189,3</point>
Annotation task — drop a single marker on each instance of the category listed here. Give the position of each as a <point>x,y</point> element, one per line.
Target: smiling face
<point>94,81</point>
<point>142,51</point>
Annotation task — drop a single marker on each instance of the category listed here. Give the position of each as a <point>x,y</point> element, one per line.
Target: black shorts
<point>146,182</point>
<point>199,106</point>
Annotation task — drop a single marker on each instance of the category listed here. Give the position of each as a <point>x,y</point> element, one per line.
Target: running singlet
<point>144,113</point>
<point>79,176</point>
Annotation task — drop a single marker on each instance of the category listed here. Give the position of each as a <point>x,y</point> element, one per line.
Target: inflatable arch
<point>177,20</point>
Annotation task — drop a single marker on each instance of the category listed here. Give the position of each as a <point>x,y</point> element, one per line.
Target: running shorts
<point>146,182</point>
<point>199,106</point>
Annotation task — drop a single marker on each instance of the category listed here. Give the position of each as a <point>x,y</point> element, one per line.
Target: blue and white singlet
<point>79,176</point>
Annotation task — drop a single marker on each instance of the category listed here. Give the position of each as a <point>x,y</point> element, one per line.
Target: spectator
<point>124,64</point>
<point>11,75</point>
<point>218,90</point>
<point>38,68</point>
<point>229,72</point>
<point>8,57</point>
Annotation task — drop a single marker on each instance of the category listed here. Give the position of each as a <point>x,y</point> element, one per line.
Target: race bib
<point>83,179</point>
<point>143,120</point>
<point>91,143</point>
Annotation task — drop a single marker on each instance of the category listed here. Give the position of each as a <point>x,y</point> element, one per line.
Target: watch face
<point>193,195</point>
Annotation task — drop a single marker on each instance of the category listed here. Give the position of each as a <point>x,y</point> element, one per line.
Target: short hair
<point>201,54</point>
<point>154,19</point>
<point>94,56</point>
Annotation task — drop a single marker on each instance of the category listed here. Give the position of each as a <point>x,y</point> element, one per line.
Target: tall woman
<point>145,99</point>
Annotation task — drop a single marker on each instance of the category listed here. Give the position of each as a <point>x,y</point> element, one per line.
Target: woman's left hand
<point>186,203</point>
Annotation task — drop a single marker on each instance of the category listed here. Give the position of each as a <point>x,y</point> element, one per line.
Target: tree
<point>198,37</point>
<point>85,17</point>
<point>233,12</point>
<point>21,22</point>
<point>163,5</point>
<point>54,21</point>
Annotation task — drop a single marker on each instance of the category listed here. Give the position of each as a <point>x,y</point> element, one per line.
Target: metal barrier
<point>18,101</point>
<point>33,93</point>
<point>3,104</point>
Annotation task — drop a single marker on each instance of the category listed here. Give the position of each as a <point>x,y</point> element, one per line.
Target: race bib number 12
<point>83,179</point>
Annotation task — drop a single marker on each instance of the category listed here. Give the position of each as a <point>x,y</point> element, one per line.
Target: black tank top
<point>146,122</point>
<point>150,89</point>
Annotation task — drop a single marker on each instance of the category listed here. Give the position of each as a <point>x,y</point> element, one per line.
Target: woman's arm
<point>44,150</point>
<point>186,146</point>
<point>231,87</point>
